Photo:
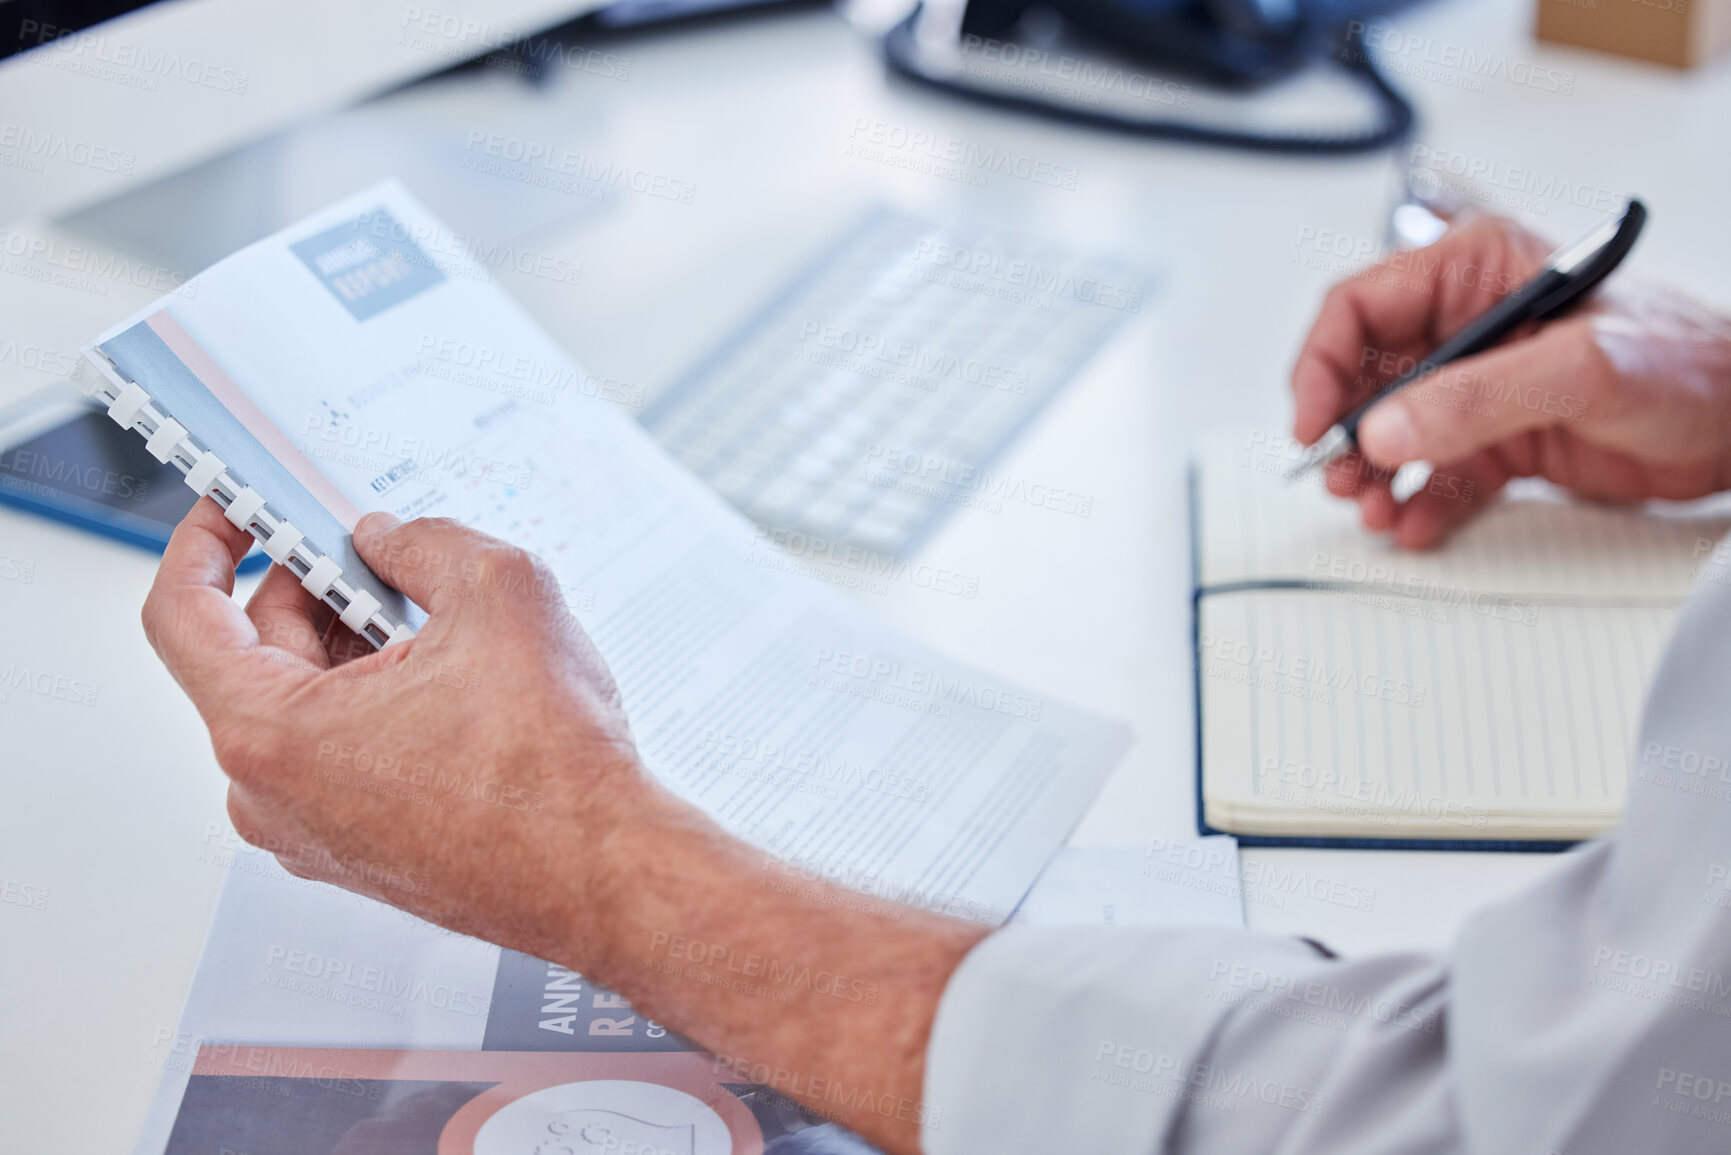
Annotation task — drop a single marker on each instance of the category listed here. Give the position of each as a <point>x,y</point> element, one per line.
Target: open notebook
<point>1487,693</point>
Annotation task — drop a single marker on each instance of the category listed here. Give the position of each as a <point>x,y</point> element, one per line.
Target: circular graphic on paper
<point>605,1117</point>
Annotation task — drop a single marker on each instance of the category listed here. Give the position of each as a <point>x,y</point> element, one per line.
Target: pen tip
<point>1327,449</point>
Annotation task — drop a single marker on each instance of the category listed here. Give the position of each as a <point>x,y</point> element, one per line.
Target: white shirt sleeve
<point>1590,1015</point>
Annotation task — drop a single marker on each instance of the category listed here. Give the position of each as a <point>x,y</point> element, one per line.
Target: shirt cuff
<point>1075,1038</point>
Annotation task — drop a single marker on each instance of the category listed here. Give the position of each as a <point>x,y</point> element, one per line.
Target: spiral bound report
<point>132,406</point>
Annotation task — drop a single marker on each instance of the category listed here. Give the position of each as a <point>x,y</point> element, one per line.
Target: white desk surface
<point>107,808</point>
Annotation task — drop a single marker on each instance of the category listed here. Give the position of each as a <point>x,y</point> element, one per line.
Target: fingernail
<point>378,522</point>
<point>1388,433</point>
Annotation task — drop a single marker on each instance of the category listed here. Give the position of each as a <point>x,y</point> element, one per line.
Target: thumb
<point>1459,410</point>
<point>428,558</point>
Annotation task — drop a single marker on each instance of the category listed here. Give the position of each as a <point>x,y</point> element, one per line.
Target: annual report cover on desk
<point>1482,695</point>
<point>322,1023</point>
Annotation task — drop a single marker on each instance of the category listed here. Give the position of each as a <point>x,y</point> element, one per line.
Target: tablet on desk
<point>61,457</point>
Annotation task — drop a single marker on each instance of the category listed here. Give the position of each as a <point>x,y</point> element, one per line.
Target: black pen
<point>1569,275</point>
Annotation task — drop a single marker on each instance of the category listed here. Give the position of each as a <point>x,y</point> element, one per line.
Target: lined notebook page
<point>1330,713</point>
<point>1487,689</point>
<point>1254,526</point>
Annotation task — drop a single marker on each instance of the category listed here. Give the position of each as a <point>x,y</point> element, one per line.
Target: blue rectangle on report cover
<point>369,263</point>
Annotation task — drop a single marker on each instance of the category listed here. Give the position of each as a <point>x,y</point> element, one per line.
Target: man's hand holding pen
<point>1624,399</point>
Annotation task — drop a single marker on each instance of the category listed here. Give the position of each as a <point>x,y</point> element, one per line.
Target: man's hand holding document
<point>787,763</point>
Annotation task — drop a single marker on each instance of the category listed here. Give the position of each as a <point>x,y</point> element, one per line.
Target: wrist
<point>658,856</point>
<point>834,993</point>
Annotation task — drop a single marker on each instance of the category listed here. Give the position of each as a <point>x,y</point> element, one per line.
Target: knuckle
<point>1492,235</point>
<point>1594,366</point>
<point>507,561</point>
<point>294,864</point>
<point>440,525</point>
<point>161,616</point>
<point>1480,225</point>
<point>542,576</point>
<point>517,558</point>
<point>413,542</point>
<point>1480,228</point>
<point>148,617</point>
<point>243,748</point>
<point>240,816</point>
<point>440,535</point>
<point>229,746</point>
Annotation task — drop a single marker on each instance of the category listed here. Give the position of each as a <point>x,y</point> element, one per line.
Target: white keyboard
<point>868,398</point>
